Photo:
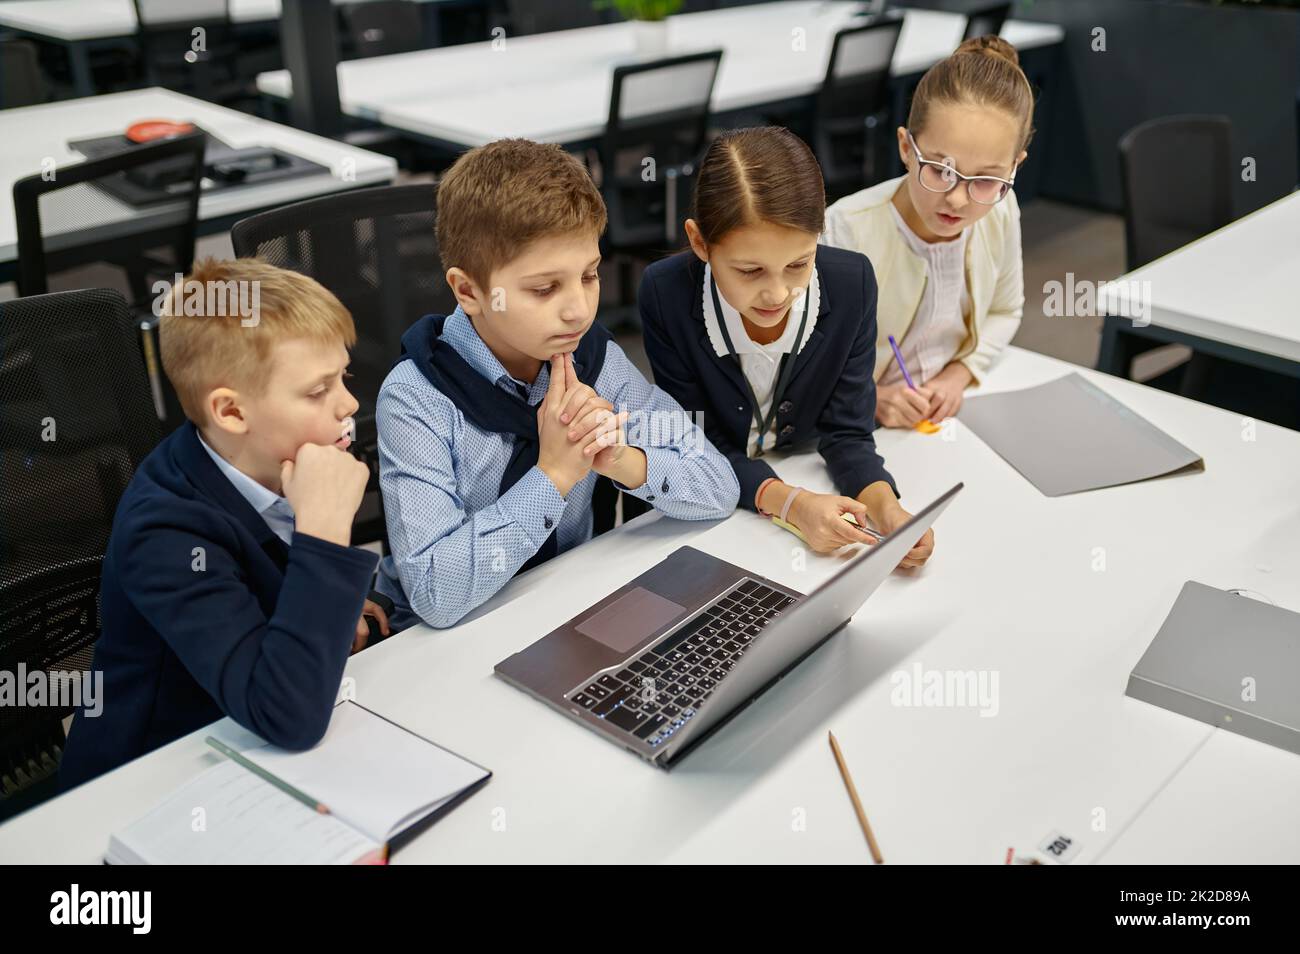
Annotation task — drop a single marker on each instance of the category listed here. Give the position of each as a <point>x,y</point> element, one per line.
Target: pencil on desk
<point>857,804</point>
<point>257,770</point>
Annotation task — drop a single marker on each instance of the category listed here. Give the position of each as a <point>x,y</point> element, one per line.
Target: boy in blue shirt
<point>499,418</point>
<point>229,586</point>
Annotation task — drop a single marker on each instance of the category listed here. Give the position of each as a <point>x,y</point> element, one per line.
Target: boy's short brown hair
<point>496,199</point>
<point>220,325</point>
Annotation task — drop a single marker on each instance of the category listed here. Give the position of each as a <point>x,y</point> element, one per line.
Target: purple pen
<point>901,366</point>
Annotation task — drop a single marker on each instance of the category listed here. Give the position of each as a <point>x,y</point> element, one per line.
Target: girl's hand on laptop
<point>819,518</point>
<point>324,485</point>
<point>894,517</point>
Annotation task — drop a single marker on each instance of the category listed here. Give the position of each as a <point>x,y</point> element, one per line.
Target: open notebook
<point>380,782</point>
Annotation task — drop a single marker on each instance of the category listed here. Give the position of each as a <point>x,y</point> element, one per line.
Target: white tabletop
<point>76,20</point>
<point>1236,285</point>
<point>34,135</point>
<point>555,87</point>
<point>1012,589</point>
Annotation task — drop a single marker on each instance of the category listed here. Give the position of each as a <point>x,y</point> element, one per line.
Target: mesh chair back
<point>986,21</point>
<point>76,419</point>
<point>854,98</point>
<point>376,250</point>
<point>189,46</point>
<point>530,16</point>
<point>384,27</point>
<point>21,81</point>
<point>658,111</point>
<point>1176,181</point>
<point>137,209</point>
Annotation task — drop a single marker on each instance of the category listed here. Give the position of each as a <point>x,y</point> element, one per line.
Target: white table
<point>80,24</point>
<point>555,87</point>
<point>1010,589</point>
<point>1231,293</point>
<point>36,134</point>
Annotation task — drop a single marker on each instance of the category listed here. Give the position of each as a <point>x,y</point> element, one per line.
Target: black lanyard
<point>787,365</point>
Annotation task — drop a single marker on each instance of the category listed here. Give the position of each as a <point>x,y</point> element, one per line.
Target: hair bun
<point>992,46</point>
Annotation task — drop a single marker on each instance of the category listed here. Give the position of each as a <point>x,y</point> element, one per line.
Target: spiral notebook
<point>378,783</point>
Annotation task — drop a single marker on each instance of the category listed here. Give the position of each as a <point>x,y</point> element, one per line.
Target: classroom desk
<point>1011,589</point>
<point>82,25</point>
<point>1231,294</point>
<point>555,87</point>
<point>33,134</point>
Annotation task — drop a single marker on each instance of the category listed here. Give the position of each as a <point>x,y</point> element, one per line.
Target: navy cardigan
<point>832,394</point>
<point>205,613</point>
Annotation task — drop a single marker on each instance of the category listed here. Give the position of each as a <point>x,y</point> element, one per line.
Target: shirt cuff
<point>534,504</point>
<point>659,462</point>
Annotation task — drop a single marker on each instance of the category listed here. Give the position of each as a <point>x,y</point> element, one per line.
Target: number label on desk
<point>1059,847</point>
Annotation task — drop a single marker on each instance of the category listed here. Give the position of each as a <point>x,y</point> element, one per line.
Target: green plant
<point>641,9</point>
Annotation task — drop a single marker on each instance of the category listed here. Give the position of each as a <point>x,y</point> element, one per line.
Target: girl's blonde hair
<point>984,70</point>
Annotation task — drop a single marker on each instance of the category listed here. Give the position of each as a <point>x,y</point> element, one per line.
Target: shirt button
<point>649,497</point>
<point>548,523</point>
<point>664,488</point>
<point>785,407</point>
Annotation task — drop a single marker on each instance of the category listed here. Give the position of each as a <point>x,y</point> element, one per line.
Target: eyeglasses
<point>942,177</point>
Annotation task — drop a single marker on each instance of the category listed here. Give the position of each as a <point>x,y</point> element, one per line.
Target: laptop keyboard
<point>656,692</point>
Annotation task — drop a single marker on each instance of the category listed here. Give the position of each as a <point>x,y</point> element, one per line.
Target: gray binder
<point>1216,650</point>
<point>1069,435</point>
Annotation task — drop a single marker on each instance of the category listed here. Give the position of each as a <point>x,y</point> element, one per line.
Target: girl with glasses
<point>944,238</point>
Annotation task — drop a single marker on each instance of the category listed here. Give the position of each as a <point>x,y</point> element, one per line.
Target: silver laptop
<point>666,660</point>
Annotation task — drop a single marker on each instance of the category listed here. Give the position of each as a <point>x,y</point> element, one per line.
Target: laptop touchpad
<point>629,619</point>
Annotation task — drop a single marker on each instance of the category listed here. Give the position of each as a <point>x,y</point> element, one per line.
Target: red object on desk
<point>151,129</point>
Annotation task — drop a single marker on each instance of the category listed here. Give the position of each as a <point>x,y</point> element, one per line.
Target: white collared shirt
<point>271,507</point>
<point>939,327</point>
<point>760,363</point>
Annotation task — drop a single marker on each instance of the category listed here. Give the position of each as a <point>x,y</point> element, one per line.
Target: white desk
<point>555,87</point>
<point>71,20</point>
<point>78,24</point>
<point>34,134</point>
<point>1010,589</point>
<point>1235,287</point>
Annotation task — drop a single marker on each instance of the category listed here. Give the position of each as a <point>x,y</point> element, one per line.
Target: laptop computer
<point>667,659</point>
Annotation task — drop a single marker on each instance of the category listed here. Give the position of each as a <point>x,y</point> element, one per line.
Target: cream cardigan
<point>994,273</point>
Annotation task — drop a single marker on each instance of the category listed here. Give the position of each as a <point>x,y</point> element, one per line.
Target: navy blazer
<point>832,394</point>
<point>206,612</point>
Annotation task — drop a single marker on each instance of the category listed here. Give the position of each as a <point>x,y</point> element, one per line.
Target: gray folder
<point>1227,660</point>
<point>1069,435</point>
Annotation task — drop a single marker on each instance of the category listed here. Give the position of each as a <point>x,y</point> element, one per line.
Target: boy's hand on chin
<point>324,485</point>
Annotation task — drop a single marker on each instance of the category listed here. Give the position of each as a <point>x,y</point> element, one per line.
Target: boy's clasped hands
<point>578,432</point>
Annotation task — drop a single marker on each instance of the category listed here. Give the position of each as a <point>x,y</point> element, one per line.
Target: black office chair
<point>986,21</point>
<point>658,112</point>
<point>1175,177</point>
<point>851,116</point>
<point>21,81</point>
<point>383,27</point>
<point>76,419</point>
<point>1176,182</point>
<point>376,250</point>
<point>206,66</point>
<point>136,210</point>
<point>529,16</point>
